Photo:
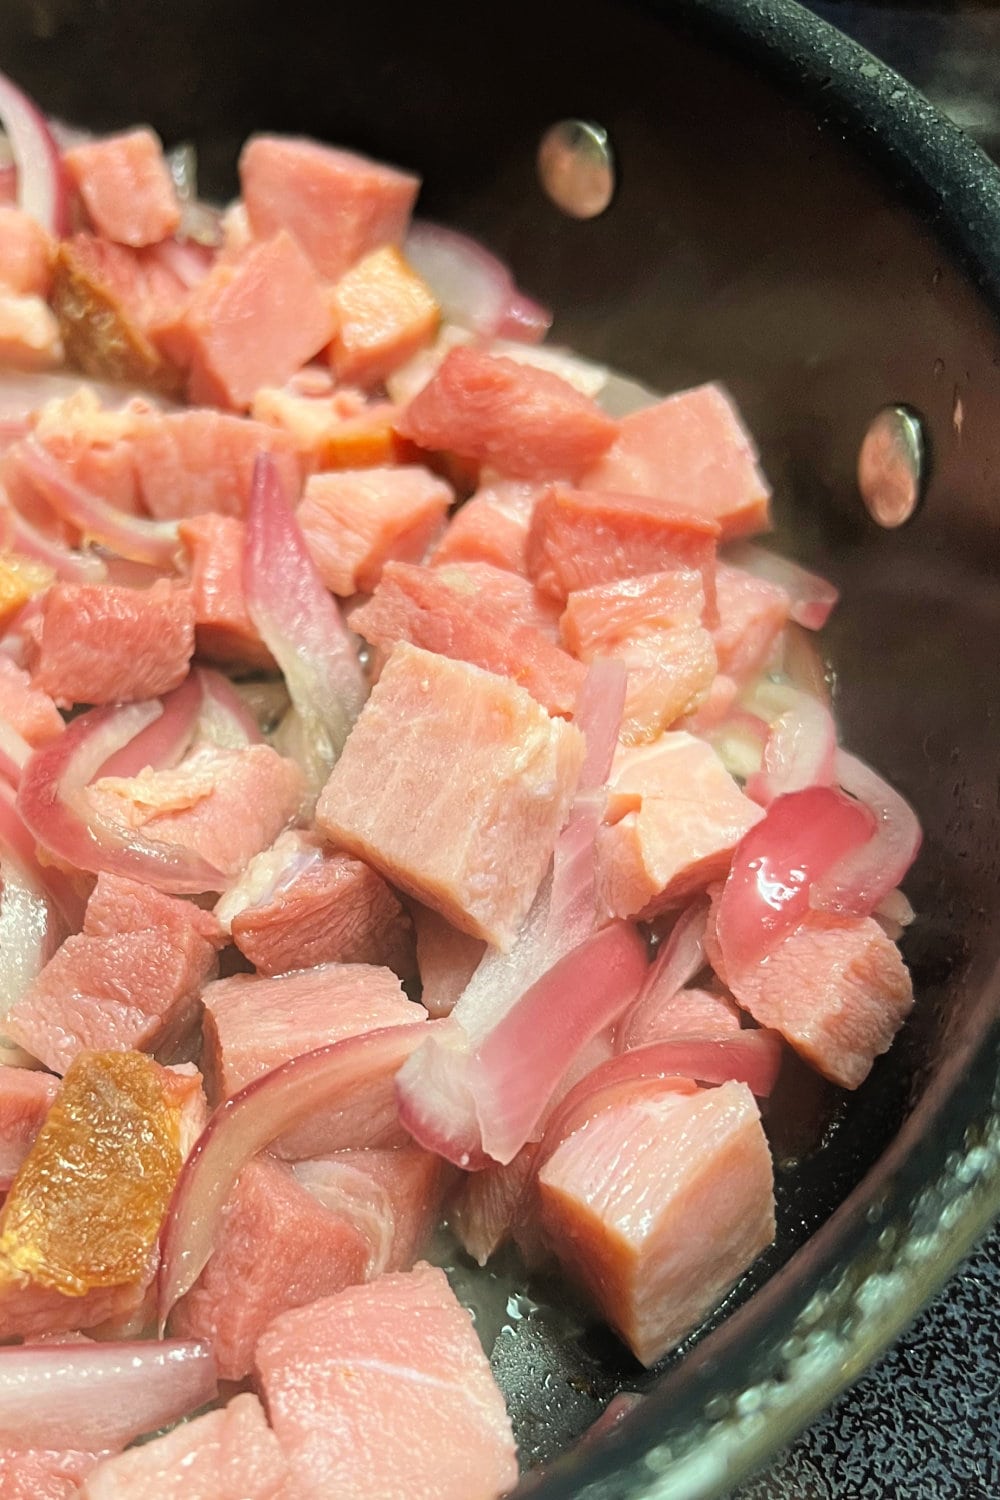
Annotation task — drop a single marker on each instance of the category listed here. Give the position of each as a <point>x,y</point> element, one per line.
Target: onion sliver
<point>96,1396</point>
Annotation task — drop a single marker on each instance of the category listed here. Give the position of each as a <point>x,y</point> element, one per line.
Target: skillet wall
<point>746,243</point>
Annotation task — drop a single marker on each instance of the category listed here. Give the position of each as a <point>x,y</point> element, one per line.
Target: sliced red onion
<point>617,1409</point>
<point>812,597</point>
<point>679,959</point>
<point>300,623</point>
<point>803,664</point>
<point>28,934</point>
<point>62,892</point>
<point>65,562</point>
<point>96,1396</point>
<point>224,717</point>
<point>201,223</point>
<point>14,753</point>
<point>515,1071</point>
<point>354,1075</point>
<point>41,180</point>
<point>186,259</point>
<point>800,750</point>
<point>164,742</point>
<point>472,287</point>
<point>739,742</point>
<point>865,875</point>
<point>134,537</point>
<point>52,803</point>
<point>769,887</point>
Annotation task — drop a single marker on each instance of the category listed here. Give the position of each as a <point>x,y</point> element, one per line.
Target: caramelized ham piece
<point>228,1454</point>
<point>690,450</point>
<point>78,1229</point>
<point>401,1397</point>
<point>436,736</point>
<point>658,1246</point>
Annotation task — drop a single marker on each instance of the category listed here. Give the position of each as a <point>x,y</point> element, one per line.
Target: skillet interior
<point>793,220</point>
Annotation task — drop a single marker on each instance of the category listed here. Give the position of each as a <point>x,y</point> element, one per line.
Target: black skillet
<point>793,219</point>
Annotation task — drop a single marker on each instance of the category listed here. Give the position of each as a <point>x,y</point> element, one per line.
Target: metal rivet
<point>891,466</point>
<point>576,168</point>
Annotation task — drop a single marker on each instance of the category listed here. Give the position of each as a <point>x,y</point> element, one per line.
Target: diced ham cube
<point>26,253</point>
<point>223,629</point>
<point>690,1013</point>
<point>111,302</point>
<point>126,187</point>
<point>752,614</point>
<point>101,643</point>
<point>335,430</point>
<point>356,520</point>
<point>277,1248</point>
<point>79,1227</point>
<point>253,1024</point>
<point>29,333</point>
<point>21,579</point>
<point>578,539</point>
<point>385,313</point>
<point>670,672</point>
<point>596,620</point>
<point>690,450</point>
<point>502,593</point>
<point>337,205</point>
<point>395,1196</point>
<point>25,1097</point>
<point>524,422</point>
<point>189,463</point>
<point>835,987</point>
<point>41,1474</point>
<point>419,605</point>
<point>130,980</point>
<point>491,527</point>
<point>250,324</point>
<point>25,707</point>
<point>226,805</point>
<point>229,1454</point>
<point>658,1246</point>
<point>454,784</point>
<point>401,1397</point>
<point>299,905</point>
<point>673,818</point>
<point>446,959</point>
<point>489,1205</point>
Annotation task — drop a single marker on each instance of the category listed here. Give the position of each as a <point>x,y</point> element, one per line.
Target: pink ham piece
<point>421,605</point>
<point>25,707</point>
<point>229,1454</point>
<point>673,819</point>
<point>337,205</point>
<point>222,805</point>
<point>752,615</point>
<point>596,620</point>
<point>130,980</point>
<point>224,631</point>
<point>298,905</point>
<point>835,987</point>
<point>250,323</point>
<point>26,253</point>
<point>489,1205</point>
<point>690,1013</point>
<point>491,527</point>
<point>402,1400</point>
<point>192,463</point>
<point>126,187</point>
<point>436,734</point>
<point>356,520</point>
<point>578,539</point>
<point>690,450</point>
<point>446,959</point>
<point>524,422</point>
<point>659,1246</point>
<point>290,1236</point>
<point>25,1097</point>
<point>503,593</point>
<point>44,1474</point>
<point>105,644</point>
<point>254,1024</point>
<point>670,674</point>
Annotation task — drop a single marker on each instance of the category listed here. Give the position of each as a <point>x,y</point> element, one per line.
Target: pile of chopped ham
<point>418,800</point>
